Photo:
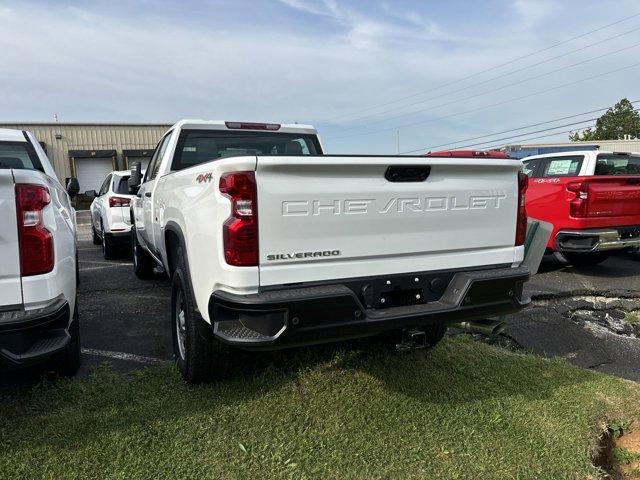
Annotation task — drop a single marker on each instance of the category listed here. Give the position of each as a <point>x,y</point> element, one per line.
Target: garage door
<point>91,172</point>
<point>91,167</point>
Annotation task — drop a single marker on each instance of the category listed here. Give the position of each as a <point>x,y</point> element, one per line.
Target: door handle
<point>147,194</point>
<point>407,173</point>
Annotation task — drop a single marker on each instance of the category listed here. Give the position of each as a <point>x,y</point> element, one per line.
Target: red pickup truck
<point>592,198</point>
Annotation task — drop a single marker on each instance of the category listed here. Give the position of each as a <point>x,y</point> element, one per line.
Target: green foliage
<point>623,456</point>
<point>464,410</point>
<point>619,121</point>
<point>632,318</point>
<point>618,427</point>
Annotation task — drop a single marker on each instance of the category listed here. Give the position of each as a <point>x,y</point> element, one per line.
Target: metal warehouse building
<point>521,151</point>
<point>89,151</point>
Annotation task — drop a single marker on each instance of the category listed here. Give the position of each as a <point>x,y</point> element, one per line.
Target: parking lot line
<point>98,268</point>
<point>105,263</point>
<point>123,356</point>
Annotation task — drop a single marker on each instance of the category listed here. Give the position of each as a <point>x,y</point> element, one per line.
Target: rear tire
<point>96,238</point>
<point>69,360</point>
<point>142,262</point>
<point>585,259</point>
<point>200,357</point>
<point>108,250</point>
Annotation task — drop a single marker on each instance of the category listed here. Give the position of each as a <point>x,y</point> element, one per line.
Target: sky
<point>373,76</point>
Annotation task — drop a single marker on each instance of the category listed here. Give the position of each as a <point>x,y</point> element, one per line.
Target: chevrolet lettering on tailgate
<point>297,208</point>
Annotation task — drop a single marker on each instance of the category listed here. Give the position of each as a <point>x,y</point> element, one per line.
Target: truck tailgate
<point>613,196</point>
<point>10,286</point>
<point>331,217</point>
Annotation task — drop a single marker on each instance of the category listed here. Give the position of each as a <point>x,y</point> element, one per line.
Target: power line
<point>458,142</point>
<point>476,95</point>
<point>400,107</point>
<point>493,147</point>
<point>525,134</point>
<point>547,135</point>
<point>487,69</point>
<point>540,92</point>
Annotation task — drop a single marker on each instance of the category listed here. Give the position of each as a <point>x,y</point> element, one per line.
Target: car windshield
<point>18,155</point>
<point>120,185</point>
<point>199,146</point>
<point>617,165</point>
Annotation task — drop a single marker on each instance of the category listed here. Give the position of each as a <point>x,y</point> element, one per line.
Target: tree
<point>616,123</point>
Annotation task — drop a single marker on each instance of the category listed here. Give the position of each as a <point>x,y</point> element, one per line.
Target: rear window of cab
<point>19,156</point>
<point>199,146</point>
<point>616,164</point>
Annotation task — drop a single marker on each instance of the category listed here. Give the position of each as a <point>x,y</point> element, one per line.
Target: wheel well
<point>171,242</point>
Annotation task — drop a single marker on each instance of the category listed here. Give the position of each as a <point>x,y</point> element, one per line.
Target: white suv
<point>38,259</point>
<point>110,218</point>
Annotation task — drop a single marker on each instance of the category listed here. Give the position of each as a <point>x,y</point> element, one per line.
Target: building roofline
<point>568,144</point>
<point>89,124</point>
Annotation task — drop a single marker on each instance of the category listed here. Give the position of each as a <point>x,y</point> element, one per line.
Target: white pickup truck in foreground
<point>269,243</point>
<point>38,261</point>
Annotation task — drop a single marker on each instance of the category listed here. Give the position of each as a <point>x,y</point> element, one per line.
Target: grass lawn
<point>463,410</point>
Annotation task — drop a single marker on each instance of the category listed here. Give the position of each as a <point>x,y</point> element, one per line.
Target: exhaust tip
<point>490,328</point>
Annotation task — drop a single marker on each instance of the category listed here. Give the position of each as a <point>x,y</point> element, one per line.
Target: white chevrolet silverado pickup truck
<point>38,260</point>
<point>269,243</point>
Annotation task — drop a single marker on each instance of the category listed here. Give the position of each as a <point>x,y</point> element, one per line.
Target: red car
<point>592,198</point>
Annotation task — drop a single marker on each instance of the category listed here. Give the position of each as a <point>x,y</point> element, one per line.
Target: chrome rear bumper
<point>597,240</point>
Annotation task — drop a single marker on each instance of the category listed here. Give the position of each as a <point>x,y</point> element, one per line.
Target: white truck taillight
<point>36,242</point>
<point>521,222</point>
<point>119,201</point>
<point>240,230</point>
<point>578,206</point>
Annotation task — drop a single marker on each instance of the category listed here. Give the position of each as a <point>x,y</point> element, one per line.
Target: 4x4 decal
<point>204,177</point>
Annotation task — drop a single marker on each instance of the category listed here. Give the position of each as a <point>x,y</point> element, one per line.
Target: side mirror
<point>136,178</point>
<point>91,194</point>
<point>73,187</point>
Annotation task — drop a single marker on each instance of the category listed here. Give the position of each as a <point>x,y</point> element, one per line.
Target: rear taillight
<point>36,242</point>
<point>578,206</point>
<point>521,222</point>
<point>240,230</point>
<point>119,201</point>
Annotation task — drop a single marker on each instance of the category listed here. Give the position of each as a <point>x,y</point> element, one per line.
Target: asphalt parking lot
<point>125,321</point>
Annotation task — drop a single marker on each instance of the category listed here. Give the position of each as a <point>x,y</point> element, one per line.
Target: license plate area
<point>401,290</point>
<point>400,298</point>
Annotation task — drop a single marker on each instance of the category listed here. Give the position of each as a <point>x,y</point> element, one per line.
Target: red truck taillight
<point>578,206</point>
<point>521,222</point>
<point>119,201</point>
<point>36,242</point>
<point>240,230</point>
